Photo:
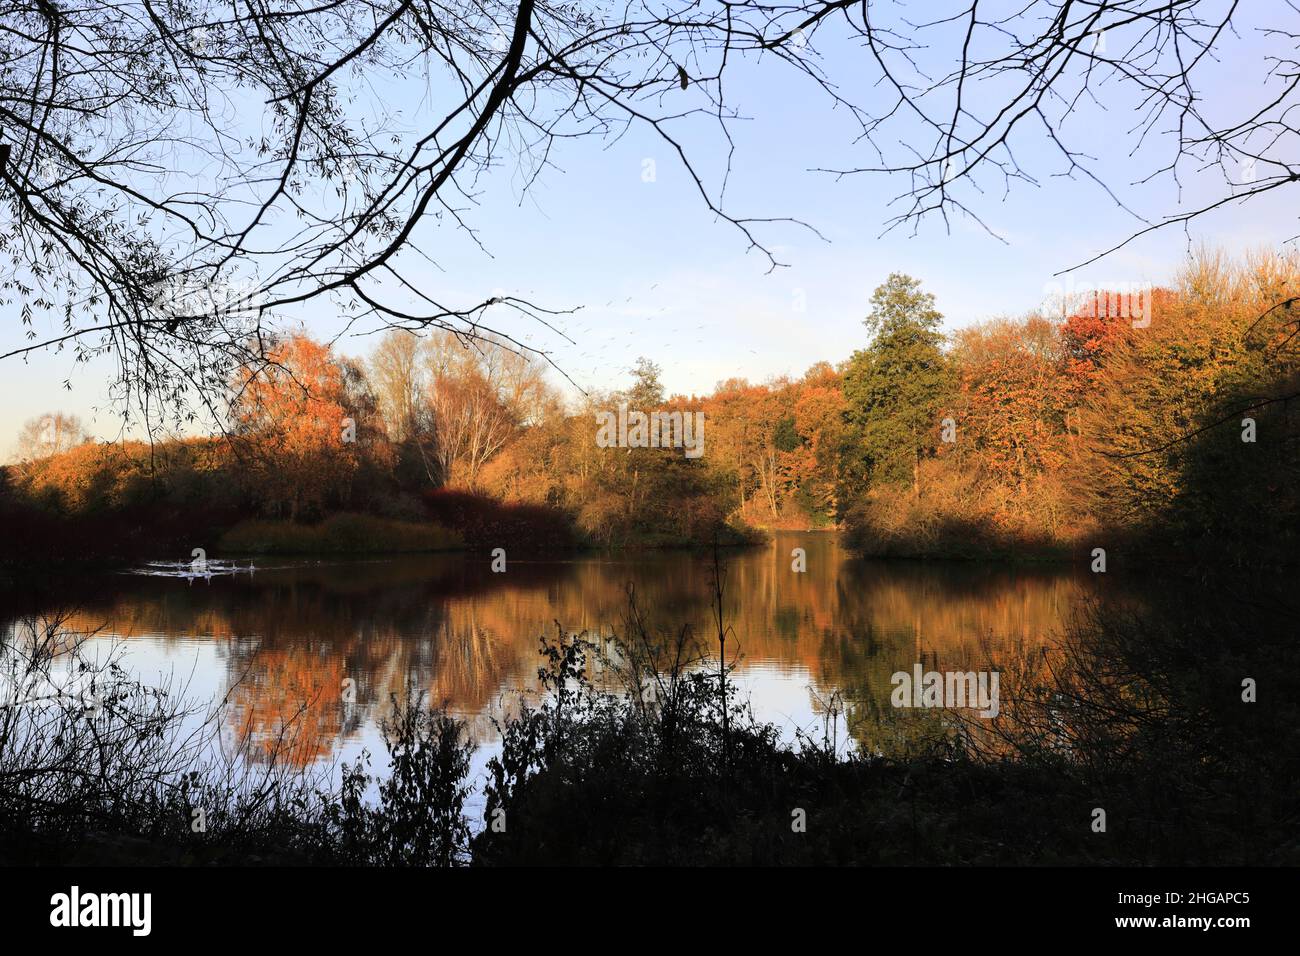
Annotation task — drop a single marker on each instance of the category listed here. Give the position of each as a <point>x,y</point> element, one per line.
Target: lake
<point>320,646</point>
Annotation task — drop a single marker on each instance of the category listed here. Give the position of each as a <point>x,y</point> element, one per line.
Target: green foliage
<point>895,387</point>
<point>786,437</point>
<point>647,390</point>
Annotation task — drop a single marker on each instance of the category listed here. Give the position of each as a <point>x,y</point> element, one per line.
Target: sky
<point>653,273</point>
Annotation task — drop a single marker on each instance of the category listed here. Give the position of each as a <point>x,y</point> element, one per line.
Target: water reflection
<point>290,645</point>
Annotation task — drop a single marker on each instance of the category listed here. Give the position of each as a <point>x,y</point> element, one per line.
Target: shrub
<point>419,818</point>
<point>339,534</point>
<point>484,521</point>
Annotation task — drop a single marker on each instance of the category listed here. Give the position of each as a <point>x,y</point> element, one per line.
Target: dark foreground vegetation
<point>1140,715</point>
<point>639,751</point>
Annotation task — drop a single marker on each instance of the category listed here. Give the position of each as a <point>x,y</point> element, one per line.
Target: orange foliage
<point>294,423</point>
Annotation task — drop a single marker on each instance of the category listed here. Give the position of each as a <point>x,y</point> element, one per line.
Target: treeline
<point>1168,432</point>
<point>434,430</point>
<point>1163,420</point>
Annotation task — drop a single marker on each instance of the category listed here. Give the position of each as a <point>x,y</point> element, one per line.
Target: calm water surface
<point>282,642</point>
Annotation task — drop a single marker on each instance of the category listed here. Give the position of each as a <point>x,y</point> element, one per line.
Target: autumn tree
<point>819,413</point>
<point>452,403</point>
<point>748,423</point>
<point>1013,398</point>
<point>49,434</point>
<point>295,428</point>
<point>779,445</point>
<point>396,375</point>
<point>477,394</point>
<point>1167,423</point>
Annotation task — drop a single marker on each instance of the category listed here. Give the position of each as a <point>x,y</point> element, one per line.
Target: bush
<point>339,534</point>
<point>958,514</point>
<point>483,521</point>
<point>419,819</point>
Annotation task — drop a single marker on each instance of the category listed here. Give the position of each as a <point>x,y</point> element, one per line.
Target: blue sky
<point>655,274</point>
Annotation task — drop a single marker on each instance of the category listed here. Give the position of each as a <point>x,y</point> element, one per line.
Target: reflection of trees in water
<point>454,650</point>
<point>467,638</point>
<point>851,629</point>
<point>963,619</point>
<point>286,704</point>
